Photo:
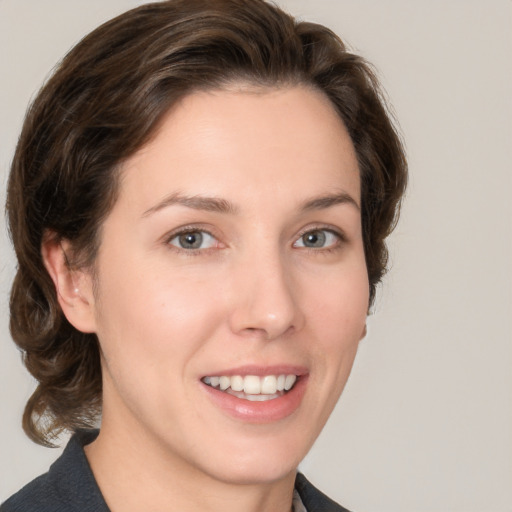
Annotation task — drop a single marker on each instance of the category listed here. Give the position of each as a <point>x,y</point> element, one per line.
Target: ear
<point>364,333</point>
<point>74,287</point>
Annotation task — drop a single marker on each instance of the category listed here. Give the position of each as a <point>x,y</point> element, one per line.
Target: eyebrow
<point>323,202</point>
<point>209,204</point>
<point>218,205</point>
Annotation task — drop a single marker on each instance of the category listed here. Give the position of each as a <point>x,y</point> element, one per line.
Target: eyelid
<point>338,233</point>
<point>190,228</point>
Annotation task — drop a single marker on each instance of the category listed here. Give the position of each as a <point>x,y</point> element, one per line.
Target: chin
<point>254,473</point>
<point>260,463</point>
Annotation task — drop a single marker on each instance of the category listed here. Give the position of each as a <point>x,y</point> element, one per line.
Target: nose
<point>265,299</point>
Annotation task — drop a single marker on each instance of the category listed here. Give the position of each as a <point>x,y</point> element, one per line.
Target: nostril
<point>267,334</point>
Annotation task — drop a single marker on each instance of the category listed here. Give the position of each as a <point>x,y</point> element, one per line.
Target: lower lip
<point>259,412</point>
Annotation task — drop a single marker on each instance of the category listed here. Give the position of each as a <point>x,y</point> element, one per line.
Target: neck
<point>135,472</point>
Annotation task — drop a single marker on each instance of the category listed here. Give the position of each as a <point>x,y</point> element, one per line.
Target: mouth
<point>253,388</point>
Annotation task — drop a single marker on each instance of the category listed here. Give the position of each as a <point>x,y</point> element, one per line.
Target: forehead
<point>241,140</point>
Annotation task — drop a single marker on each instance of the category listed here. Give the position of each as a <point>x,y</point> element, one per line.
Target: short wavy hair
<point>104,102</point>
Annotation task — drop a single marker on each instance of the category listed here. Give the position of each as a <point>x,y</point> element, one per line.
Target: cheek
<point>340,306</point>
<point>153,317</point>
<point>337,318</point>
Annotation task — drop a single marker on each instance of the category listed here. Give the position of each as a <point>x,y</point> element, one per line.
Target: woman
<point>198,202</point>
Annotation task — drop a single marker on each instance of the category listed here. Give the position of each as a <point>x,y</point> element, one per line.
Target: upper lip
<point>261,371</point>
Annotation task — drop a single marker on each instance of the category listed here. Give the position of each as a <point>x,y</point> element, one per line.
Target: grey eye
<point>317,239</point>
<point>314,239</point>
<point>193,240</point>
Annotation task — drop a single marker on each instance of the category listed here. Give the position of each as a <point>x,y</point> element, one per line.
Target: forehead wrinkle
<point>196,202</point>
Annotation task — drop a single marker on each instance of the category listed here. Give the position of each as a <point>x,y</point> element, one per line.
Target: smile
<point>253,387</point>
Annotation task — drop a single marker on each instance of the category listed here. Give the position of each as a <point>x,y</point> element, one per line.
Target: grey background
<point>425,423</point>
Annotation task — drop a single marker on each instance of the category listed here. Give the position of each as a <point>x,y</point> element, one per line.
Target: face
<point>231,266</point>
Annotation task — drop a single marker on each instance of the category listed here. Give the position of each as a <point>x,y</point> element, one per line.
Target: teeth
<point>252,385</point>
<point>289,382</point>
<point>269,386</point>
<point>237,383</point>
<point>225,383</point>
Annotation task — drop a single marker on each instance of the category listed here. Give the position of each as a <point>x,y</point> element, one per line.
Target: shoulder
<point>313,499</point>
<point>32,498</point>
<point>68,486</point>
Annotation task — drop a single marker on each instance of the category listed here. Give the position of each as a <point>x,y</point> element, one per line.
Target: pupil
<point>191,240</point>
<point>314,239</point>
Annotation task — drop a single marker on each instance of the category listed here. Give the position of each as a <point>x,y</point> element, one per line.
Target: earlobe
<point>73,287</point>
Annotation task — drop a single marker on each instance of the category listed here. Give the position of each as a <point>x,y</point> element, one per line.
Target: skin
<point>253,293</point>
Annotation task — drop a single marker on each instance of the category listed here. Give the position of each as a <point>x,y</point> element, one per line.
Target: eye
<point>193,240</point>
<point>318,239</point>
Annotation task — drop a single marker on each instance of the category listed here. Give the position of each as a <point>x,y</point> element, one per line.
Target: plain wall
<point>425,423</point>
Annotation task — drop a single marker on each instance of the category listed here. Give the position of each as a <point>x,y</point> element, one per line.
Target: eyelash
<point>197,229</point>
<point>189,230</point>
<point>340,236</point>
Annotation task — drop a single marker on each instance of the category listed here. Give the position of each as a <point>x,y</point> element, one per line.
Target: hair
<point>104,102</point>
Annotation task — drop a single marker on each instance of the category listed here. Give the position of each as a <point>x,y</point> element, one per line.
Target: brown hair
<point>104,102</point>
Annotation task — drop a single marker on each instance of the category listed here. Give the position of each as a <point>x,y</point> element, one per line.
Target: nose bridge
<point>265,296</point>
